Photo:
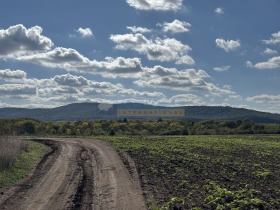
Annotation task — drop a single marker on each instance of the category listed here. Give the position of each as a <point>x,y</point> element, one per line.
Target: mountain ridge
<point>97,111</point>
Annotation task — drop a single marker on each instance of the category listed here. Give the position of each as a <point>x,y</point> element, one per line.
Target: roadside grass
<point>9,151</point>
<point>206,172</point>
<point>17,157</point>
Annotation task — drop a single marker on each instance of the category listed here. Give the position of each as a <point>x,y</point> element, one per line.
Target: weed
<point>222,198</point>
<point>22,163</point>
<point>174,203</point>
<point>10,149</point>
<point>262,174</point>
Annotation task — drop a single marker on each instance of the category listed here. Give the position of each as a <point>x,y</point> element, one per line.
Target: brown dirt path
<point>77,174</point>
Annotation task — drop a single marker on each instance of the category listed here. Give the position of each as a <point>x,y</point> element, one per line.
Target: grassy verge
<point>206,172</point>
<point>22,163</point>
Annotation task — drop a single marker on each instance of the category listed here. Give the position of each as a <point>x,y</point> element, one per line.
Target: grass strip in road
<point>23,164</point>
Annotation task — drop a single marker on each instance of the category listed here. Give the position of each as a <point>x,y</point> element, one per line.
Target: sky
<point>159,52</point>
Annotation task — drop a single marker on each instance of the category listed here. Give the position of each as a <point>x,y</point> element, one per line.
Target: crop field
<point>206,172</point>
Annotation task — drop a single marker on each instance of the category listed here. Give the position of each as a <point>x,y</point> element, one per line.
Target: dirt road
<point>76,174</point>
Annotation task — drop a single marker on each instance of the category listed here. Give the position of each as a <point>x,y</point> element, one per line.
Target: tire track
<point>76,174</point>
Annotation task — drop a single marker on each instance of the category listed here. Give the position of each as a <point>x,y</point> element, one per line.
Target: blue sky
<point>160,52</point>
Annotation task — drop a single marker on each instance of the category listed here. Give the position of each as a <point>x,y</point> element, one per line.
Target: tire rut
<point>77,174</point>
<point>84,194</point>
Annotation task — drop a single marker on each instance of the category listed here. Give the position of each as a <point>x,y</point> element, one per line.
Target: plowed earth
<point>76,174</point>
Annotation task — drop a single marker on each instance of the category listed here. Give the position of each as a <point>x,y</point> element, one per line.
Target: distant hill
<point>94,111</point>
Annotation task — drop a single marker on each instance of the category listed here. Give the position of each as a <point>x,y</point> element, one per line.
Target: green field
<point>206,172</point>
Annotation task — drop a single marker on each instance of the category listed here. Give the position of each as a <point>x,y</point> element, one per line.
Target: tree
<point>26,127</point>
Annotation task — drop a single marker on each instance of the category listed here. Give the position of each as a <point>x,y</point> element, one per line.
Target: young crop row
<point>206,172</point>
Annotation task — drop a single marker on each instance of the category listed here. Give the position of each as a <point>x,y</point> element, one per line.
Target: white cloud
<point>222,68</point>
<point>71,80</point>
<point>161,5</point>
<point>274,40</point>
<point>65,58</point>
<point>17,90</point>
<point>158,49</point>
<point>65,99</point>
<point>272,63</point>
<point>4,105</point>
<point>47,92</point>
<point>185,59</point>
<point>183,100</point>
<point>71,60</point>
<point>269,51</point>
<point>228,45</point>
<point>176,26</point>
<point>12,74</point>
<point>219,10</point>
<point>184,80</point>
<point>265,99</point>
<point>249,64</point>
<point>119,67</point>
<point>85,32</point>
<point>18,40</point>
<point>69,88</point>
<point>141,30</point>
<point>238,97</point>
<point>135,93</point>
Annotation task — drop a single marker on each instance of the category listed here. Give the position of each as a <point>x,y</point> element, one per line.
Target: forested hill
<point>94,111</point>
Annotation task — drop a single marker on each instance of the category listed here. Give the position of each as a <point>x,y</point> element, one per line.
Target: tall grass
<point>17,158</point>
<point>10,149</point>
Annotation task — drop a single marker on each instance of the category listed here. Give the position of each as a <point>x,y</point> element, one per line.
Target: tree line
<point>25,126</point>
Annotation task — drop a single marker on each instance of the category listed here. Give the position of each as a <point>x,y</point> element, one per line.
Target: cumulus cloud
<point>219,10</point>
<point>228,45</point>
<point>65,99</point>
<point>47,92</point>
<point>269,51</point>
<point>176,26</point>
<point>71,60</point>
<point>21,42</point>
<point>265,99</point>
<point>119,67</point>
<point>68,88</point>
<point>141,30</point>
<point>12,74</point>
<point>85,32</point>
<point>272,63</point>
<point>275,39</point>
<point>135,93</point>
<point>161,5</point>
<point>183,100</point>
<point>156,49</point>
<point>18,40</point>
<point>65,58</point>
<point>249,64</point>
<point>184,80</point>
<point>17,90</point>
<point>71,80</point>
<point>222,68</point>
